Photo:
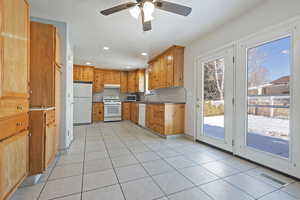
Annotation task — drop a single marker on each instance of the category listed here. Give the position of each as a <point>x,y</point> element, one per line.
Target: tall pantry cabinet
<point>14,94</point>
<point>45,75</point>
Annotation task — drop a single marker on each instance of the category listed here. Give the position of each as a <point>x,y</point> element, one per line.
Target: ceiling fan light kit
<point>145,8</point>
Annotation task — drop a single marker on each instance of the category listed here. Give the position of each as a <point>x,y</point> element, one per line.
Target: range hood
<point>111,86</point>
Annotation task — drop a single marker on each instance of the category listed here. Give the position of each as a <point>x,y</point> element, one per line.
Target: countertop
<point>41,108</point>
<point>154,102</point>
<point>147,102</point>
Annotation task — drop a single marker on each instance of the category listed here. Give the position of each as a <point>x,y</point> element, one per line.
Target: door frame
<point>228,53</point>
<point>292,165</point>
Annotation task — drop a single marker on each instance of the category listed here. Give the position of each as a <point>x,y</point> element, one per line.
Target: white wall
<point>270,13</point>
<point>66,122</point>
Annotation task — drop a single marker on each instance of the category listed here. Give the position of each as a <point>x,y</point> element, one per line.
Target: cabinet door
<point>126,111</point>
<point>58,49</point>
<point>150,76</point>
<point>98,114</point>
<point>42,65</point>
<point>132,82</point>
<point>57,106</point>
<point>13,163</point>
<point>148,112</point>
<point>87,74</point>
<point>169,69</point>
<point>112,77</point>
<point>135,112</point>
<point>14,39</point>
<point>156,75</point>
<point>76,73</point>
<point>140,82</point>
<point>98,85</point>
<point>124,82</point>
<point>50,147</point>
<point>178,57</point>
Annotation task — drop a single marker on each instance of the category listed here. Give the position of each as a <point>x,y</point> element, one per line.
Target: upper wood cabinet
<point>132,82</point>
<point>136,81</point>
<point>82,73</point>
<point>140,80</point>
<point>43,64</point>
<point>14,48</point>
<point>112,77</point>
<point>98,85</point>
<point>166,70</point>
<point>124,82</point>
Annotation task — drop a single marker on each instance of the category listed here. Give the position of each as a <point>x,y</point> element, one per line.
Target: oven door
<point>112,112</point>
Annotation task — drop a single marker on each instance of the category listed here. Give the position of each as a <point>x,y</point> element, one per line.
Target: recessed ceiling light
<point>128,67</point>
<point>144,54</point>
<point>88,63</point>
<point>105,48</point>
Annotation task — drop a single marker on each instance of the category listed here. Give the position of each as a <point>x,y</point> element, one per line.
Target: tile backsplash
<point>167,95</point>
<point>161,95</point>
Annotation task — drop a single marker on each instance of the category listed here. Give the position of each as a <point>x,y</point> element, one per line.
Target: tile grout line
<point>50,173</point>
<point>106,148</point>
<point>83,164</point>
<point>165,195</point>
<point>123,141</point>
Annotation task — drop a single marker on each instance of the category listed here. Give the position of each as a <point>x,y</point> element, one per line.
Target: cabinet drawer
<point>13,125</point>
<point>14,163</point>
<point>50,117</point>
<point>11,107</point>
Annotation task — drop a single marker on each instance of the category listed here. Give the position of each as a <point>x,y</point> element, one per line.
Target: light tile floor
<point>121,161</point>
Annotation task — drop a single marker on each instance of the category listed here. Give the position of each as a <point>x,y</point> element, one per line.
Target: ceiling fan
<point>145,8</point>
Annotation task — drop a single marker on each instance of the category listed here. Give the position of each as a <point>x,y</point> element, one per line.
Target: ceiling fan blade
<point>118,8</point>
<point>173,7</point>
<point>147,26</point>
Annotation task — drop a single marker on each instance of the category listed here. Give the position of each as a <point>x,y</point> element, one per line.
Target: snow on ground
<point>262,125</point>
<point>265,133</point>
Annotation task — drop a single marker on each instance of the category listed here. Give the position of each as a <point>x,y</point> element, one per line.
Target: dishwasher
<point>142,115</point>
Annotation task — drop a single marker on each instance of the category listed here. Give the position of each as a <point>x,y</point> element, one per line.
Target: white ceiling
<point>90,31</point>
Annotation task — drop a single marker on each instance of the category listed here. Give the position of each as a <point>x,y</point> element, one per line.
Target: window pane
<point>214,99</point>
<point>269,97</point>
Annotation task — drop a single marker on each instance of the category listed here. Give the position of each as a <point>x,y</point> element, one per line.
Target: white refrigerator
<point>83,97</point>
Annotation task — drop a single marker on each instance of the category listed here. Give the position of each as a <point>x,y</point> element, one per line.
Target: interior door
<point>215,98</point>
<point>266,109</point>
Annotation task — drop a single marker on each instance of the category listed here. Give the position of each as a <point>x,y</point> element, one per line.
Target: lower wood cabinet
<point>134,112</point>
<point>43,140</point>
<point>166,119</point>
<point>98,112</point>
<point>126,107</point>
<point>13,163</point>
